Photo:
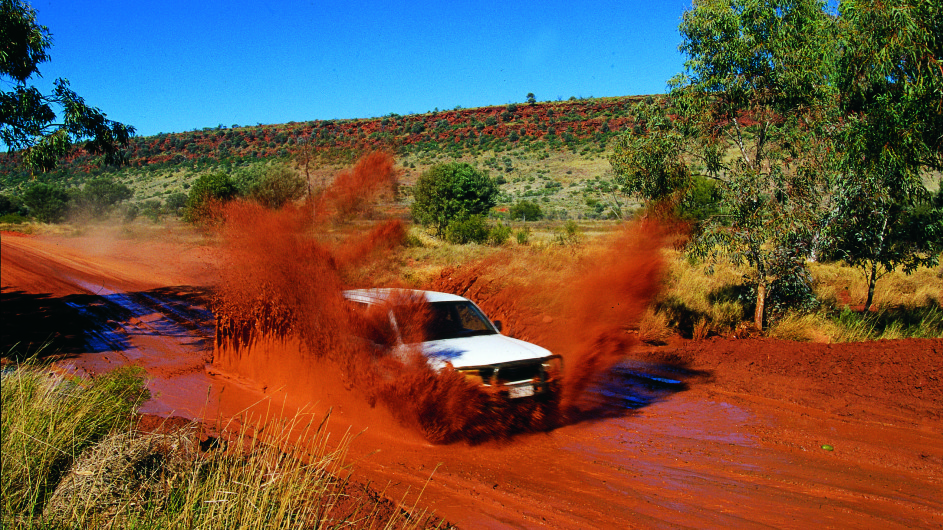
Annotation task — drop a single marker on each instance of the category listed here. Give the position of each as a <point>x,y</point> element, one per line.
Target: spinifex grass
<point>74,434</point>
<point>695,300</point>
<point>48,420</point>
<point>282,473</point>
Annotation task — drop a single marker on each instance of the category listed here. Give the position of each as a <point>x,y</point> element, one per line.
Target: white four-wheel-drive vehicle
<point>458,336</point>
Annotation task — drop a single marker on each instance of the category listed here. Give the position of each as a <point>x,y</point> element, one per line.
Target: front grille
<point>520,372</point>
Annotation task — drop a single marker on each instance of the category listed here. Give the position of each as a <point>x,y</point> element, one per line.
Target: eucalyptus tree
<point>28,118</point>
<point>450,192</point>
<point>750,113</point>
<point>890,76</point>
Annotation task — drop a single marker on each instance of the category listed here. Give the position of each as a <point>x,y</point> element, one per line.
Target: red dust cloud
<point>282,321</point>
<point>582,310</point>
<point>279,307</point>
<point>602,301</point>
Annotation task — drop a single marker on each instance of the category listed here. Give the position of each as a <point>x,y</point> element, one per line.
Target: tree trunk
<point>878,254</point>
<point>760,305</point>
<point>872,280</point>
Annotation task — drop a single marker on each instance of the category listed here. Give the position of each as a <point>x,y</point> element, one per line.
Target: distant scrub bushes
<point>51,202</point>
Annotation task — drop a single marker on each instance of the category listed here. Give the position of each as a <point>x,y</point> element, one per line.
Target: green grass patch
<point>925,321</point>
<point>71,459</point>
<point>48,420</point>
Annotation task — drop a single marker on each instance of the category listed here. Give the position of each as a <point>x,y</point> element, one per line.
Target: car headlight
<point>553,366</point>
<point>473,376</point>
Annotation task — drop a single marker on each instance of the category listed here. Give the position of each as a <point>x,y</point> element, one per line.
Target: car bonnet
<point>480,350</point>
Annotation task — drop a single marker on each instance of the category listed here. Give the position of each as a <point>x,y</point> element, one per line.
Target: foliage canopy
<point>891,84</point>
<point>526,211</point>
<point>452,191</point>
<point>28,121</point>
<point>813,125</point>
<point>207,190</point>
<point>278,186</point>
<point>99,195</point>
<point>46,202</point>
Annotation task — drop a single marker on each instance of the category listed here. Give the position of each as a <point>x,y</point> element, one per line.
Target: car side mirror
<point>497,325</point>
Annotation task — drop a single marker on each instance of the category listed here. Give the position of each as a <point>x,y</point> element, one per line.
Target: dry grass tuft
<point>70,460</point>
<point>701,329</point>
<point>809,327</point>
<point>697,301</point>
<point>653,327</point>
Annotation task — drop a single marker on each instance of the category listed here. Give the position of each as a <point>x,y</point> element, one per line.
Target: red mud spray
<point>282,321</point>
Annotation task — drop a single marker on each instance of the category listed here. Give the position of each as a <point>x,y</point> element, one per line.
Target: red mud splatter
<point>606,298</point>
<point>280,305</point>
<point>282,321</point>
<point>353,191</point>
<point>582,311</point>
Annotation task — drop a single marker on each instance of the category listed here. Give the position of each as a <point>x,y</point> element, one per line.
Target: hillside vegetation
<point>553,153</point>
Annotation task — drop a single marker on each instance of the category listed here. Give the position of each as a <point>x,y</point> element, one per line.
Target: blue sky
<point>175,66</point>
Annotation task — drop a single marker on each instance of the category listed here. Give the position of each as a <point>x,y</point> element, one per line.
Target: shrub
<point>471,229</point>
<point>568,234</point>
<point>11,204</point>
<point>247,179</point>
<point>526,211</point>
<point>46,202</point>
<point>278,186</point>
<point>98,196</point>
<point>209,188</point>
<point>12,210</point>
<point>453,191</point>
<point>12,218</point>
<point>175,203</point>
<point>499,234</point>
<point>152,209</point>
<point>131,212</point>
<point>523,236</point>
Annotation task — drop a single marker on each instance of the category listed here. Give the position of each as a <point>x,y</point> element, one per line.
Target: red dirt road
<point>717,433</point>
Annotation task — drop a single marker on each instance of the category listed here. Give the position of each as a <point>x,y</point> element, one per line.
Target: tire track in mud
<point>167,331</point>
<point>160,313</point>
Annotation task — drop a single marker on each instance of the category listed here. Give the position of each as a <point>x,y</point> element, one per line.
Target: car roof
<point>380,295</point>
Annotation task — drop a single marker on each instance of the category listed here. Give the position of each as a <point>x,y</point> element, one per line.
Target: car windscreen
<point>449,320</point>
